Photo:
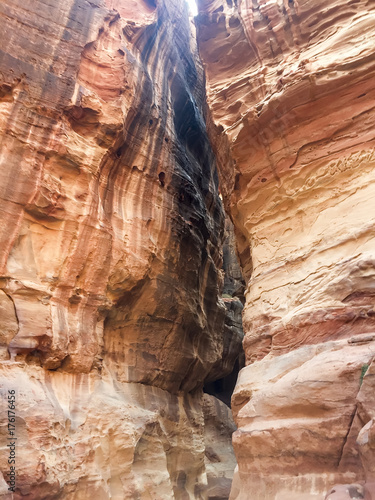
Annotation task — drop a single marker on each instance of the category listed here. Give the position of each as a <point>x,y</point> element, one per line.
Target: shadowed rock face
<point>223,376</point>
<point>111,232</point>
<point>219,458</point>
<point>290,88</point>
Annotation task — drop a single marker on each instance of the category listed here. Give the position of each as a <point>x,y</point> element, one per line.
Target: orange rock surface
<point>106,207</point>
<point>111,232</point>
<point>291,93</point>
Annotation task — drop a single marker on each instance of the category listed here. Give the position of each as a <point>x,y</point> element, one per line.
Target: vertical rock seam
<point>111,233</point>
<point>291,94</point>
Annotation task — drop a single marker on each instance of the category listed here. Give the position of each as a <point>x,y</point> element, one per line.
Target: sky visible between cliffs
<point>192,7</point>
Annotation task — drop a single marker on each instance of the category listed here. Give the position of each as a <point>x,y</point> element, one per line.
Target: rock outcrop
<point>291,93</point>
<point>111,232</point>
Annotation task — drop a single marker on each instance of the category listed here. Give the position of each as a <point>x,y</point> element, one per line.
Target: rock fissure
<point>341,454</point>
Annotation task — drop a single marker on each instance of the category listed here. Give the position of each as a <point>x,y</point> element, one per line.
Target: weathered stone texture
<point>219,457</point>
<point>111,231</point>
<point>109,192</point>
<point>290,88</point>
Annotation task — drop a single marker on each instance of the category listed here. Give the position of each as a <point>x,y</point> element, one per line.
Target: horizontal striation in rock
<point>111,233</point>
<point>291,95</point>
<point>297,107</point>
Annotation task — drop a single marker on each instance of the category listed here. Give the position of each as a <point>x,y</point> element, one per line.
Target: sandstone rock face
<point>298,420</point>
<point>109,192</point>
<point>219,457</point>
<point>82,436</point>
<point>111,231</point>
<point>290,88</point>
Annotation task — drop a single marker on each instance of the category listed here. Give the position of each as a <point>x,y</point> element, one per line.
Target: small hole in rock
<point>264,179</point>
<point>151,122</point>
<point>162,179</point>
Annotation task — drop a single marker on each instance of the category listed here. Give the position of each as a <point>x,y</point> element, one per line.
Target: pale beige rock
<point>83,436</point>
<point>366,396</point>
<point>347,492</point>
<point>366,442</point>
<point>86,436</point>
<point>295,414</point>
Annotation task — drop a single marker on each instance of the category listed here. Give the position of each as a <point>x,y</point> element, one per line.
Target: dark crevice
<point>223,388</point>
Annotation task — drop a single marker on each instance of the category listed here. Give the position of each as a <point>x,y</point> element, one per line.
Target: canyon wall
<point>111,232</point>
<point>291,92</point>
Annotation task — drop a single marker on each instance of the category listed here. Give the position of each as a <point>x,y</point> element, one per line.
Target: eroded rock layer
<point>290,87</point>
<point>111,231</point>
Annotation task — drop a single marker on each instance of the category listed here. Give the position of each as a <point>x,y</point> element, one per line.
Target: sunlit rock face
<point>111,234</point>
<point>290,88</point>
